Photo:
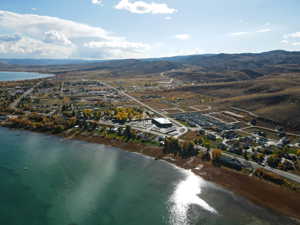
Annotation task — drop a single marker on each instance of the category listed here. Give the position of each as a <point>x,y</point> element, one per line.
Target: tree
<point>207,144</point>
<point>198,141</point>
<point>246,155</point>
<point>273,161</point>
<point>253,122</point>
<point>121,116</point>
<point>172,146</point>
<point>128,133</point>
<point>258,157</point>
<point>216,154</point>
<point>286,165</point>
<point>206,156</point>
<point>188,150</point>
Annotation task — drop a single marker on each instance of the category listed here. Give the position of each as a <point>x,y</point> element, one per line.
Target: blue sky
<point>106,29</point>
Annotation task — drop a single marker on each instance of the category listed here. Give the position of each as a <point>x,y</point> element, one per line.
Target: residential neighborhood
<point>63,105</point>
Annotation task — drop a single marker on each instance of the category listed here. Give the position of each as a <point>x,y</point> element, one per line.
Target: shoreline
<point>258,191</point>
<point>255,190</point>
<point>43,75</point>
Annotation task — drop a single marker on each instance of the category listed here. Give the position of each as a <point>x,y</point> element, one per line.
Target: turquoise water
<point>49,181</point>
<point>12,76</point>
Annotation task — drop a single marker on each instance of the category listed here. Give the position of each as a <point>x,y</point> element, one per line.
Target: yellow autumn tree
<point>216,154</point>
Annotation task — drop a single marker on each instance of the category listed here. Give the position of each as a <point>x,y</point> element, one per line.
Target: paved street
<point>183,129</point>
<point>17,101</point>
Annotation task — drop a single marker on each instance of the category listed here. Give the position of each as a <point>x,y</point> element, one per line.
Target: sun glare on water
<point>185,195</point>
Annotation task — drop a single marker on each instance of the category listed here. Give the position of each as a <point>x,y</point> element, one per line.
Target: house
<point>229,135</point>
<point>260,133</point>
<point>230,162</point>
<point>202,132</point>
<point>162,122</point>
<point>262,141</point>
<point>2,118</point>
<point>222,146</point>
<point>284,141</point>
<point>211,137</point>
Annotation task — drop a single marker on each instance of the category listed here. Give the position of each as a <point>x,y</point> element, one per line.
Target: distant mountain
<point>210,61</point>
<point>273,61</point>
<point>133,66</point>
<point>177,58</point>
<point>206,67</point>
<point>45,62</point>
<point>126,67</point>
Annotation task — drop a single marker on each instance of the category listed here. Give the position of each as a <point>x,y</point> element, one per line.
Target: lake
<point>13,76</point>
<point>51,181</point>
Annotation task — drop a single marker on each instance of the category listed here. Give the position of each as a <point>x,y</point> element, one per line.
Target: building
<point>3,117</point>
<point>231,163</point>
<point>162,122</point>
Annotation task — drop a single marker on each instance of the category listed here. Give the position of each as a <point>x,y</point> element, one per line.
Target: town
<point>150,111</point>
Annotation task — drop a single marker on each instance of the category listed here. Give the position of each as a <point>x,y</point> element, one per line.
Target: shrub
<point>262,173</point>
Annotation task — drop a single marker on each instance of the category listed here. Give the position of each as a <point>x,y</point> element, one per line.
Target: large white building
<point>162,122</point>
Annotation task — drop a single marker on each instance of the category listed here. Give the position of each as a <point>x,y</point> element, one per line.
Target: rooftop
<point>162,120</point>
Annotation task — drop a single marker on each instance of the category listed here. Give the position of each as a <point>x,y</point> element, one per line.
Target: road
<point>101,122</point>
<point>62,89</point>
<point>255,115</point>
<point>185,129</point>
<point>14,104</point>
<point>255,165</point>
<point>243,110</point>
<point>268,129</point>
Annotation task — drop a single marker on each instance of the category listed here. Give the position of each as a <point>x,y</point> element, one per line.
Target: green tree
<point>273,161</point>
<point>172,146</point>
<point>128,134</point>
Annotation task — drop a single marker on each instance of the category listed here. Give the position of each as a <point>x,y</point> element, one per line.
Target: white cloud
<point>264,30</point>
<point>168,18</point>
<point>122,45</point>
<point>292,35</point>
<point>36,26</point>
<point>194,51</point>
<point>27,47</point>
<point>284,42</point>
<point>239,33</point>
<point>244,33</point>
<point>10,38</point>
<point>183,52</point>
<point>141,7</point>
<point>98,2</point>
<point>182,37</point>
<point>290,39</point>
<point>44,36</point>
<point>118,49</point>
<point>56,37</point>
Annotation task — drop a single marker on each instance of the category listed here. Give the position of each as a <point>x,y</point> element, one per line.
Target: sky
<point>116,29</point>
